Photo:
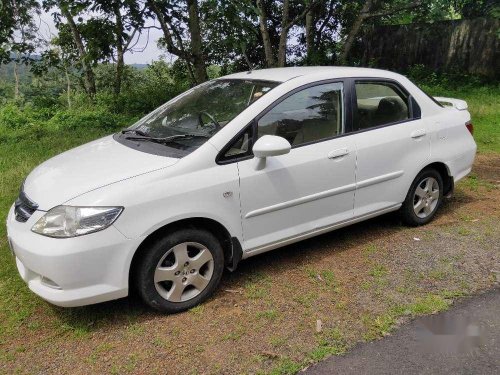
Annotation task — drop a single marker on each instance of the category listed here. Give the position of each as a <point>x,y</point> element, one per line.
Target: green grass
<point>330,343</point>
<point>19,156</point>
<point>383,324</point>
<point>268,314</point>
<point>35,139</point>
<point>286,366</point>
<point>473,183</point>
<point>378,271</point>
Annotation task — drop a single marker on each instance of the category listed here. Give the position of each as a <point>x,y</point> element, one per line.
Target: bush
<point>18,122</point>
<point>13,117</point>
<point>425,76</point>
<point>99,118</point>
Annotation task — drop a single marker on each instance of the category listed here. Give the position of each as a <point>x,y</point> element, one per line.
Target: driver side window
<point>307,116</point>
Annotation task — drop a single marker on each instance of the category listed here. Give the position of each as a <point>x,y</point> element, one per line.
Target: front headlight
<point>69,221</point>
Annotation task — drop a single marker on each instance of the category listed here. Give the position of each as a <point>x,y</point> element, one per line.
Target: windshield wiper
<point>164,140</point>
<point>135,131</point>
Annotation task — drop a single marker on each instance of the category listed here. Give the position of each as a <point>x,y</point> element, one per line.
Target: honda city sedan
<point>232,168</point>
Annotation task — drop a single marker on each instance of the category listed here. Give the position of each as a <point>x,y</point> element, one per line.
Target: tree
<point>128,21</point>
<point>320,33</point>
<point>85,35</point>
<point>17,34</point>
<point>231,35</point>
<point>368,11</point>
<point>185,43</point>
<point>289,18</point>
<point>66,11</point>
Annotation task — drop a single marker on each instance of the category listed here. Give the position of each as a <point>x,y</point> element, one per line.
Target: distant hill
<point>139,66</point>
<point>7,70</point>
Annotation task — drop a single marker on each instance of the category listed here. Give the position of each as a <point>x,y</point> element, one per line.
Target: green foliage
<point>446,80</point>
<point>13,117</point>
<point>18,122</point>
<point>99,118</point>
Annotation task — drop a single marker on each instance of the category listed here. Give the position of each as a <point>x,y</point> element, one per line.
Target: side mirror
<point>269,145</point>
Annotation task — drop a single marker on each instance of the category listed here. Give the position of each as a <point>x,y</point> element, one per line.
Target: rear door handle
<point>338,153</point>
<point>418,133</point>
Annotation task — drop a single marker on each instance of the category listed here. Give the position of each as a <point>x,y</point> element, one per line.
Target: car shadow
<point>126,311</point>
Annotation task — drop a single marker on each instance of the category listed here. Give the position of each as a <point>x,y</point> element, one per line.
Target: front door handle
<point>338,153</point>
<point>418,133</point>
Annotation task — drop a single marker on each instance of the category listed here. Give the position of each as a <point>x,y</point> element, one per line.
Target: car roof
<point>285,74</point>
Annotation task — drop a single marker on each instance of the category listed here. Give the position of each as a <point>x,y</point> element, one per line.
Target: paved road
<point>463,340</point>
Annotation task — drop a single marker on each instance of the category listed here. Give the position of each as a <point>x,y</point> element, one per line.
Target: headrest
<point>390,105</point>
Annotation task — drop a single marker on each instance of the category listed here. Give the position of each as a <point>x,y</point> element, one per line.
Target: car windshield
<point>190,119</point>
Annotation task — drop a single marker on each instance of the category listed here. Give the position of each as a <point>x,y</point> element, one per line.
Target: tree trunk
<point>310,33</point>
<point>283,34</point>
<point>68,86</point>
<point>120,63</point>
<point>200,69</point>
<point>266,39</point>
<point>351,36</point>
<point>16,78</point>
<point>77,38</point>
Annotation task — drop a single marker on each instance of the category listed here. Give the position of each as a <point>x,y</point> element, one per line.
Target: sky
<point>150,53</point>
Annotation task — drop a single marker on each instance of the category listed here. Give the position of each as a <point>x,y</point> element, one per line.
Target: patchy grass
<point>473,182</point>
<point>330,343</point>
<point>378,326</point>
<point>378,271</point>
<point>268,314</point>
<point>197,310</point>
<point>430,304</point>
<point>285,366</point>
<point>362,282</point>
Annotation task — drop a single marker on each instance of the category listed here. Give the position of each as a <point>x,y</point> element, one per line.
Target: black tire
<point>144,273</point>
<point>407,210</point>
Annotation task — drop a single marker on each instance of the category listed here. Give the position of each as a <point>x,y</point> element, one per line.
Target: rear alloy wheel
<point>426,197</point>
<point>423,198</point>
<point>180,270</point>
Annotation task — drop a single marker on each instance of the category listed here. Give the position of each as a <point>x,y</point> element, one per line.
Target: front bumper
<point>72,271</point>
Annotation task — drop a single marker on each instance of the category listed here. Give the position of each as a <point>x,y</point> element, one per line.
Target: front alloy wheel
<point>184,272</point>
<point>180,270</point>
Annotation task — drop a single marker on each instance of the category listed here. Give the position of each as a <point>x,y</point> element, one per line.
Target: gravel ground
<point>283,310</point>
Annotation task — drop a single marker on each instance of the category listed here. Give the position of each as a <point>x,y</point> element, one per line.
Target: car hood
<point>88,167</point>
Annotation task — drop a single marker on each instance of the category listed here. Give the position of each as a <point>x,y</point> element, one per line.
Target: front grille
<point>24,207</point>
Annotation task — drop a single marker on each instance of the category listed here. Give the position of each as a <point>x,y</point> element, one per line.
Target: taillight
<point>470,127</point>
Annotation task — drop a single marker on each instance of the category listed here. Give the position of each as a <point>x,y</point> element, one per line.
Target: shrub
<point>13,117</point>
<point>99,118</point>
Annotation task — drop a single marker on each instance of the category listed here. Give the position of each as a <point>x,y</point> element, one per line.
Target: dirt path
<point>355,284</point>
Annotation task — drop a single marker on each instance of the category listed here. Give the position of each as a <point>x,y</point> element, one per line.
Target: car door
<point>392,144</point>
<point>312,186</point>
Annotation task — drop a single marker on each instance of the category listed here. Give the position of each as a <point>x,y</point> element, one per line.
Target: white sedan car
<point>232,168</point>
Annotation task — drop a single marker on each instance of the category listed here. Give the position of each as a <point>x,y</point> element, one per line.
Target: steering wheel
<point>212,118</point>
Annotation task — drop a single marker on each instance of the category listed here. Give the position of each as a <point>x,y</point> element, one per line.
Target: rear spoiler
<point>461,105</point>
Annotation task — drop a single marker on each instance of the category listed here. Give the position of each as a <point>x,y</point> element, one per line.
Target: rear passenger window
<point>309,115</point>
<point>380,103</point>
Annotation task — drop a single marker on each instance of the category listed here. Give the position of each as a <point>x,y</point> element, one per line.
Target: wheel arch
<point>230,245</point>
<point>444,171</point>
